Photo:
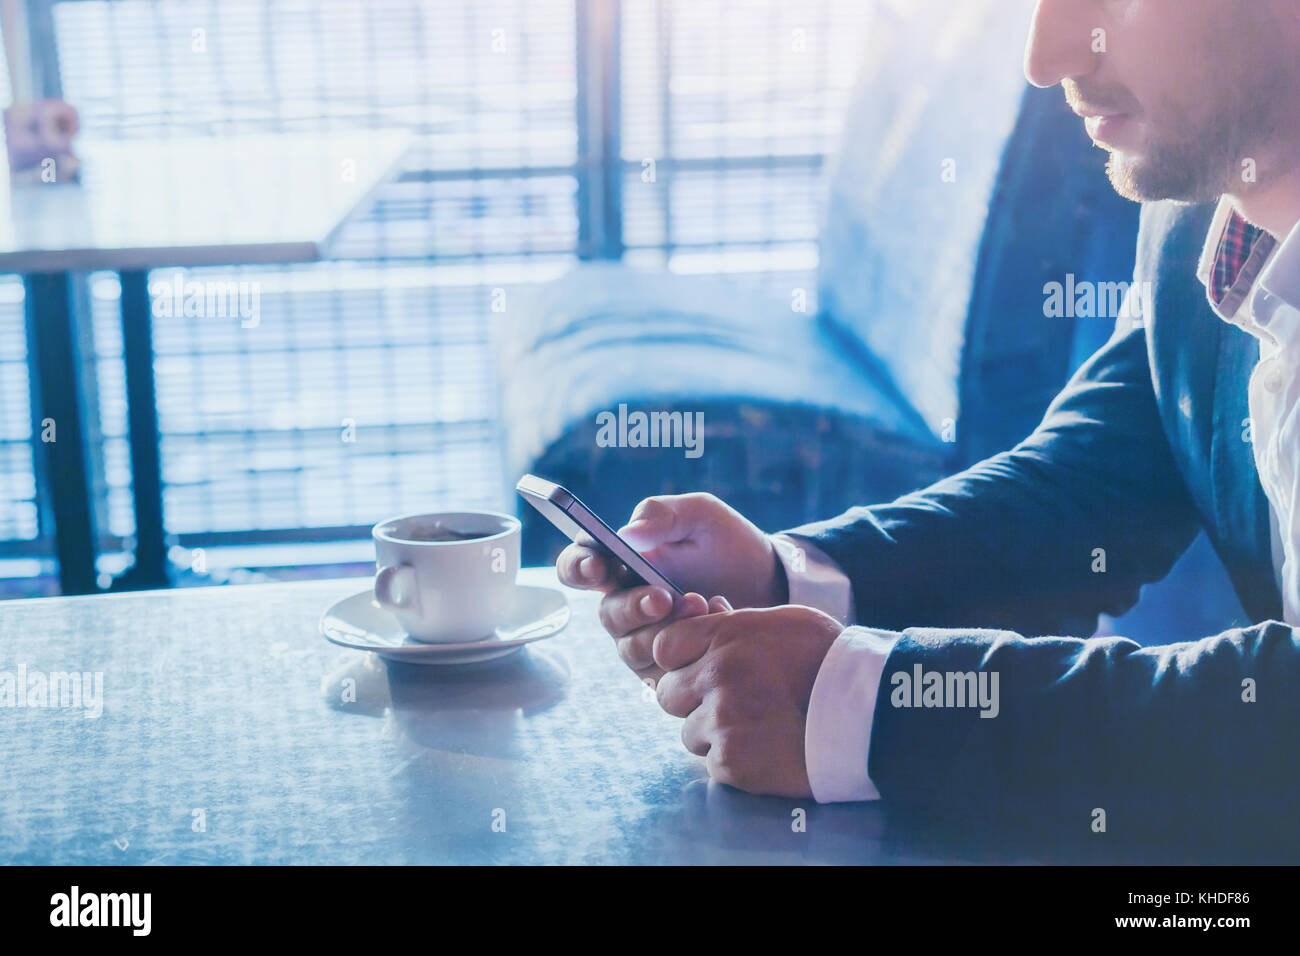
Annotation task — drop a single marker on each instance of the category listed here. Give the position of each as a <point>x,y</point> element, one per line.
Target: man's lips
<point>1108,128</point>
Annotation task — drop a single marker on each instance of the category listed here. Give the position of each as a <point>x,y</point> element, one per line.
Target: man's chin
<point>1146,179</point>
<point>1128,178</point>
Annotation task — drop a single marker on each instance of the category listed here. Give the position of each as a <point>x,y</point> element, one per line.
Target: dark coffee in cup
<point>437,532</point>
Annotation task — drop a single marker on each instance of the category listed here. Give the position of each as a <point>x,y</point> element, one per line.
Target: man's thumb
<point>655,521</point>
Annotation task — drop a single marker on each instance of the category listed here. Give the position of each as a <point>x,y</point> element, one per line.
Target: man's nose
<point>1061,41</point>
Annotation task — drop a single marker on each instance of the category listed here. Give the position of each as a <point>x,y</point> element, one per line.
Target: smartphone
<point>563,509</point>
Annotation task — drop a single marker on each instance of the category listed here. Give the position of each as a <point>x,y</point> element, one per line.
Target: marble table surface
<point>227,730</point>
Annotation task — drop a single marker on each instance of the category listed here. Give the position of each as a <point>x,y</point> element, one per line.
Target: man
<point>943,689</point>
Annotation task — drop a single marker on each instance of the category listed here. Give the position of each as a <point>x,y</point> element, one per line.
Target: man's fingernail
<point>650,603</point>
<point>585,567</point>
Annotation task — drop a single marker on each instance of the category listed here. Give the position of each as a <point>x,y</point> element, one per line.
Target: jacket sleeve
<point>1042,538</point>
<point>1201,732</point>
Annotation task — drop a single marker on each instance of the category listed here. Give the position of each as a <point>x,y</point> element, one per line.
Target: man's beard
<point>1208,156</point>
<point>1192,172</point>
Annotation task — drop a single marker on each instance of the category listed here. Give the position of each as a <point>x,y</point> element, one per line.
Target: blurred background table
<point>144,204</point>
<point>232,732</point>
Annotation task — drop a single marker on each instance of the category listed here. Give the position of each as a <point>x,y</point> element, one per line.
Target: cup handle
<point>392,582</point>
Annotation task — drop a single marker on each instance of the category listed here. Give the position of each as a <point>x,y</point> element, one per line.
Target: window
<point>367,387</point>
<point>731,109</point>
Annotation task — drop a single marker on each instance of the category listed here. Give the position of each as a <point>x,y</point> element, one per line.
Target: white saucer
<point>360,623</point>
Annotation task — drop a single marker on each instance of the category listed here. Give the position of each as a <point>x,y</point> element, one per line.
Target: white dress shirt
<point>837,735</point>
<point>1270,311</point>
<point>837,738</point>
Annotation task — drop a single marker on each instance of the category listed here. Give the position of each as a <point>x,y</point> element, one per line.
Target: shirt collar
<point>1279,282</point>
<point>1232,260</point>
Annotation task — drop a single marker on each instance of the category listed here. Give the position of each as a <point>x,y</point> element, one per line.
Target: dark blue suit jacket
<point>993,569</point>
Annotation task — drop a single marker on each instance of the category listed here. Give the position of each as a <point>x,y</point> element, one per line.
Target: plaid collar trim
<point>1239,257</point>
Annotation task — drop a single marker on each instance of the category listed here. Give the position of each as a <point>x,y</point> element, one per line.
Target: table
<point>144,204</point>
<point>231,732</point>
<point>227,701</point>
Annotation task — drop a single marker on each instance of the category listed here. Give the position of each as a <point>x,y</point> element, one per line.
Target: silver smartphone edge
<point>590,522</point>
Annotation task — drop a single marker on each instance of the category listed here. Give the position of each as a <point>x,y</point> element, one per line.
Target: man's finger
<point>697,730</point>
<point>683,642</point>
<point>588,564</point>
<point>681,691</point>
<point>636,643</point>
<point>636,649</point>
<point>622,612</point>
<point>579,566</point>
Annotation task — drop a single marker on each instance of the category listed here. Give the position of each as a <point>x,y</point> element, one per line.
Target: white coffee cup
<point>447,576</point>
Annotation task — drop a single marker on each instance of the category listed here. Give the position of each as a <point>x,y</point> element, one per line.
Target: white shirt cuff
<point>837,737</point>
<point>814,579</point>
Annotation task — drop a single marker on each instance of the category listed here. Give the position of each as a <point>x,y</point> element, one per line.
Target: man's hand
<point>743,679</point>
<point>701,544</point>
